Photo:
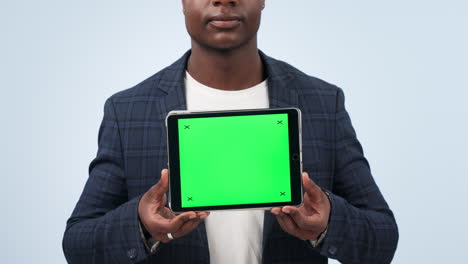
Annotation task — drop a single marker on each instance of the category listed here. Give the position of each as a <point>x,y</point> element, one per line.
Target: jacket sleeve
<point>104,226</point>
<point>362,228</point>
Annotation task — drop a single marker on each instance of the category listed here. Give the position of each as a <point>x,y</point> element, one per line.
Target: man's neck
<point>226,70</point>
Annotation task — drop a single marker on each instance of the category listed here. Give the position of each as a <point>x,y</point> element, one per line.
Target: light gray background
<point>402,65</point>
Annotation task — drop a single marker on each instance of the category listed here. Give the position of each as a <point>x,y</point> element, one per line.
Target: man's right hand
<point>159,220</point>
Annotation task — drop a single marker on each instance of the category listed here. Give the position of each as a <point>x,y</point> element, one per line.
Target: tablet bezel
<point>295,154</point>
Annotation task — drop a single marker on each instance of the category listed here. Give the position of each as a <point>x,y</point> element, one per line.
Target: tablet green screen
<point>232,160</point>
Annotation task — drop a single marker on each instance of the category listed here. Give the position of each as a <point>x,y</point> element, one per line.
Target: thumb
<point>158,190</point>
<point>314,192</point>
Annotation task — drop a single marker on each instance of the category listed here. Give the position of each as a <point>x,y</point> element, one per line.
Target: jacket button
<point>131,253</point>
<point>332,250</point>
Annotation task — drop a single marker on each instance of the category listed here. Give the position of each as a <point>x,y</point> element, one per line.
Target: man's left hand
<point>309,220</point>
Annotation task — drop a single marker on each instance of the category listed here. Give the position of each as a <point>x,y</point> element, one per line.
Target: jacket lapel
<point>172,83</point>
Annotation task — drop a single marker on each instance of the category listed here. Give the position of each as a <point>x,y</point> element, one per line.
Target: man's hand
<point>159,220</point>
<point>309,220</point>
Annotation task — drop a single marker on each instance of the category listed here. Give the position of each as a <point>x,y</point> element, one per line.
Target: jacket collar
<point>281,90</point>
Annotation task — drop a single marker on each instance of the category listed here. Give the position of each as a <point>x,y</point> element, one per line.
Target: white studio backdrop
<point>402,65</point>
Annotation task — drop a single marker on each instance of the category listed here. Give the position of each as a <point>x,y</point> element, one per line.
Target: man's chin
<point>223,46</point>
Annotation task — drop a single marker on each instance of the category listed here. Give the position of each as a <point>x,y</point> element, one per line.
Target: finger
<point>275,210</point>
<point>203,215</point>
<point>288,225</point>
<point>187,227</point>
<point>158,190</point>
<point>314,192</point>
<point>301,220</point>
<point>164,225</point>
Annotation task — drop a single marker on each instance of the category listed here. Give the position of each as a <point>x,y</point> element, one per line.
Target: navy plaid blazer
<point>103,227</point>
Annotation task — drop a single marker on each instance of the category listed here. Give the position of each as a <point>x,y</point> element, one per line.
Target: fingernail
<point>192,217</point>
<point>286,210</point>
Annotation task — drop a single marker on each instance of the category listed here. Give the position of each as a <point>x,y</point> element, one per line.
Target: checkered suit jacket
<point>103,227</point>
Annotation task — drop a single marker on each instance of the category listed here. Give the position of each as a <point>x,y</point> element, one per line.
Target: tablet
<point>237,159</point>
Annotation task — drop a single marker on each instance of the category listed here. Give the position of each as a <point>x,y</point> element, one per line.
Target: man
<point>122,217</point>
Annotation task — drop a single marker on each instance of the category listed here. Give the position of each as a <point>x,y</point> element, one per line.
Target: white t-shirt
<point>233,236</point>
